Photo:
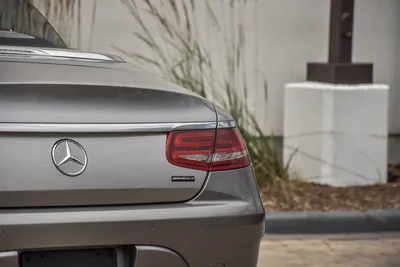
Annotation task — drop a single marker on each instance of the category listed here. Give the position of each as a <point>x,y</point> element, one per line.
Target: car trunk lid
<point>121,130</point>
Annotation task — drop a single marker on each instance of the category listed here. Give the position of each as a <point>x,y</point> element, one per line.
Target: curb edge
<point>334,222</point>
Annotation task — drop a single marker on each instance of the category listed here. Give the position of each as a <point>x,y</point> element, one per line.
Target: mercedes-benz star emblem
<point>69,157</point>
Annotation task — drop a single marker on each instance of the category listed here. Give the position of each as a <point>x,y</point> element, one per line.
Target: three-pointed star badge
<point>69,157</point>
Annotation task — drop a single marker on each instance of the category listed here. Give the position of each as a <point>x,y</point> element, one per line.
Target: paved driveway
<point>377,252</point>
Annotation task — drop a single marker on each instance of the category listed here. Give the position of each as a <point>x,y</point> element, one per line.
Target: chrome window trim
<point>105,127</point>
<point>56,53</point>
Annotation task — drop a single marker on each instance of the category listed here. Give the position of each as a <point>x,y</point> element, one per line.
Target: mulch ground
<point>303,196</point>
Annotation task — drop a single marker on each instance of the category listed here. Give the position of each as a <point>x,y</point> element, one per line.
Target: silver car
<point>102,164</point>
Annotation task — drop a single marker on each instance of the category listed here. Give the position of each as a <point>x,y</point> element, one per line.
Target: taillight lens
<point>209,150</point>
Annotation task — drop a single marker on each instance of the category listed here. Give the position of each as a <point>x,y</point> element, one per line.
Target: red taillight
<point>209,150</point>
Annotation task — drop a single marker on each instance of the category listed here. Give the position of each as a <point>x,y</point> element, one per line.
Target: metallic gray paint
<point>31,103</point>
<point>130,199</point>
<point>225,223</point>
<point>150,256</point>
<point>37,71</point>
<point>121,170</point>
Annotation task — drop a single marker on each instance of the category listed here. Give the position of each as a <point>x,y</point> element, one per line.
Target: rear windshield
<point>22,17</point>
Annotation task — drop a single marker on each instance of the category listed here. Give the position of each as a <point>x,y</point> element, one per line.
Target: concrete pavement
<point>326,252</point>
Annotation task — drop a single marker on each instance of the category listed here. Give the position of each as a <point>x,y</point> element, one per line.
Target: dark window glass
<point>22,17</point>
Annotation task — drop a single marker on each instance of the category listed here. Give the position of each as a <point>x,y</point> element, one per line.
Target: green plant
<point>180,56</point>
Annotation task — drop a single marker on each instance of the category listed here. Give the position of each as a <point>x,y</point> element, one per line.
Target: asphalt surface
<point>328,251</point>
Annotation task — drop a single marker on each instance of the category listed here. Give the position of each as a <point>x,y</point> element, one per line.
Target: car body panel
<point>48,94</point>
<point>125,198</point>
<point>35,69</point>
<point>57,103</point>
<point>124,175</point>
<point>224,223</point>
<point>151,256</point>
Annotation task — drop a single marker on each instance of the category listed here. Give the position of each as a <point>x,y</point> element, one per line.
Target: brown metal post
<point>341,31</point>
<point>340,68</point>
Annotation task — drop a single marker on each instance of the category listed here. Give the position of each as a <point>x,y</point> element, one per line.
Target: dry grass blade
<point>211,15</point>
<point>94,9</point>
<point>183,59</point>
<point>147,41</point>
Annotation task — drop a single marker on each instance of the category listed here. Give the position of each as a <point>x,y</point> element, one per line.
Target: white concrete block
<point>339,131</point>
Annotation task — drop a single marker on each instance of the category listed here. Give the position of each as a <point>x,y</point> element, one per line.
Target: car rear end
<point>106,166</point>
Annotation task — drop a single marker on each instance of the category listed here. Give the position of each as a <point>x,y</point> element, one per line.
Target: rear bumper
<point>224,224</point>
